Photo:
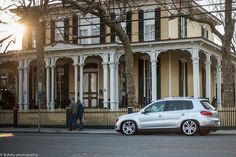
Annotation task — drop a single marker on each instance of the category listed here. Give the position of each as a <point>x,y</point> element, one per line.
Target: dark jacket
<point>80,110</point>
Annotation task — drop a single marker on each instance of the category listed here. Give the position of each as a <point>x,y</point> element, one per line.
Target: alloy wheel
<point>129,127</point>
<point>189,127</point>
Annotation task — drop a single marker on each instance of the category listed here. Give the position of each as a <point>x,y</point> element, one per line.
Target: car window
<point>207,105</point>
<point>179,105</point>
<point>156,107</point>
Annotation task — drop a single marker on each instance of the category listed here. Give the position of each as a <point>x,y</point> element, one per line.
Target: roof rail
<point>179,97</point>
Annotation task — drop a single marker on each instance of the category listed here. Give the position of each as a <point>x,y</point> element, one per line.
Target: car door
<point>151,117</point>
<point>175,112</point>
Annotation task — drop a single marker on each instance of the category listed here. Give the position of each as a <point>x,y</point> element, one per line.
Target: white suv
<point>187,115</point>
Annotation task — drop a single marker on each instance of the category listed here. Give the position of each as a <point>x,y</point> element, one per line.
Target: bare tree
<point>32,13</point>
<point>188,8</point>
<point>105,10</point>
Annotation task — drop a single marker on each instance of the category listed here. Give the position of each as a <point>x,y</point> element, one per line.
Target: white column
<point>105,84</point>
<point>48,82</point>
<point>218,83</point>
<point>117,83</point>
<point>196,87</point>
<point>76,81</point>
<point>112,87</point>
<point>52,84</point>
<point>26,85</point>
<point>154,79</point>
<point>113,84</point>
<point>208,76</point>
<point>81,93</point>
<point>20,73</point>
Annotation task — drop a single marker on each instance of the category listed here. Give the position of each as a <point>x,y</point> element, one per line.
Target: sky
<point>10,29</point>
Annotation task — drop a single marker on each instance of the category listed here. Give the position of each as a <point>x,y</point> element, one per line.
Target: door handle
<point>160,116</point>
<point>182,114</point>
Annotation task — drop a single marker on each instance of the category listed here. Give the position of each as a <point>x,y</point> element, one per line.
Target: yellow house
<point>172,57</point>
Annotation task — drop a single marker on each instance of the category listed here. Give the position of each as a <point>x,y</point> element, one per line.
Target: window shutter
<point>157,24</point>
<point>179,25</point>
<point>202,31</point>
<point>140,19</point>
<point>129,24</point>
<point>102,31</point>
<point>75,29</point>
<point>185,28</point>
<point>52,31</point>
<point>66,29</point>
<point>113,35</point>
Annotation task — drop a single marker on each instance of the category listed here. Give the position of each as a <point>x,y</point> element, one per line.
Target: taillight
<point>206,113</point>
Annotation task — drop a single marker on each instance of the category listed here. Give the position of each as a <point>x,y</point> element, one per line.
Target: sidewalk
<point>85,131</point>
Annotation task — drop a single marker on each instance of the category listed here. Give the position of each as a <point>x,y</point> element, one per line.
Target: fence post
<point>130,110</point>
<point>67,116</point>
<point>15,117</point>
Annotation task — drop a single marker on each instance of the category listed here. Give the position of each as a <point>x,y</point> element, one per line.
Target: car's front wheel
<point>189,127</point>
<point>129,127</point>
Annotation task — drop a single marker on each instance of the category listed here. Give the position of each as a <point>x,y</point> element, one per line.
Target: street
<point>115,145</point>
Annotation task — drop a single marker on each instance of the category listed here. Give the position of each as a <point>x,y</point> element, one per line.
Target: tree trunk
<point>129,71</point>
<point>227,66</point>
<point>40,63</point>
<point>228,77</point>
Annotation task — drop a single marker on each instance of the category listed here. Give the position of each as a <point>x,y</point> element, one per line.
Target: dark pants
<point>73,121</point>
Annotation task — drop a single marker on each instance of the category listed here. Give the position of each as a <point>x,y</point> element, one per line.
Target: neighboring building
<point>175,57</point>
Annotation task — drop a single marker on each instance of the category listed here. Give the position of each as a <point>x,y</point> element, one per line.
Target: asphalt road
<point>115,145</point>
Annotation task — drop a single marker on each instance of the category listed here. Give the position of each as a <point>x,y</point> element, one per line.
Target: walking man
<point>73,114</point>
<point>80,113</point>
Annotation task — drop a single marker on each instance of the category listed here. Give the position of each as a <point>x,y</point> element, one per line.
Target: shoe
<point>70,129</point>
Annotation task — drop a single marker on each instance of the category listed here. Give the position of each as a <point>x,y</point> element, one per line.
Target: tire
<point>129,127</point>
<point>189,127</point>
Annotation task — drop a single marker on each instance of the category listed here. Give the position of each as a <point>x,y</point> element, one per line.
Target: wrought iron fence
<point>93,118</point>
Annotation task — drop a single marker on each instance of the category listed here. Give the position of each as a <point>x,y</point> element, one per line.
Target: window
<point>156,107</point>
<point>95,32</point>
<point>33,39</point>
<point>207,106</point>
<point>59,30</point>
<point>179,105</point>
<point>90,26</point>
<point>149,25</point>
<point>84,33</point>
<point>182,27</point>
<point>123,24</point>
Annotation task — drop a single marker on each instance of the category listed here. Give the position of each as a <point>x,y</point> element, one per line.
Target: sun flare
<point>17,32</point>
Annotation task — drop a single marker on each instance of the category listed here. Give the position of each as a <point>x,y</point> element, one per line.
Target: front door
<point>90,89</point>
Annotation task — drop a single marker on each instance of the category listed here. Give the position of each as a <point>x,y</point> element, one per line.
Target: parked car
<point>186,115</point>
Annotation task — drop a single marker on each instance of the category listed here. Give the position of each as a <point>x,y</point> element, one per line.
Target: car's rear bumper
<point>213,126</point>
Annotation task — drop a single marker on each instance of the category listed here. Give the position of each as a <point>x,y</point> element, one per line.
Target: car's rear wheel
<point>189,127</point>
<point>129,127</point>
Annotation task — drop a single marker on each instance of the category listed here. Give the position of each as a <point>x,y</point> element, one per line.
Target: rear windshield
<point>207,105</point>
